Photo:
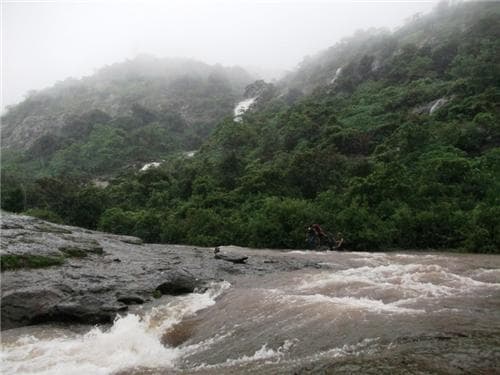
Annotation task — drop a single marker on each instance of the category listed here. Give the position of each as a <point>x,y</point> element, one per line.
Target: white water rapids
<point>350,307</point>
<point>132,341</point>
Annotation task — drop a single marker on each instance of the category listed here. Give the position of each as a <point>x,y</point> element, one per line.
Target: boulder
<point>180,283</point>
<point>87,309</point>
<point>231,258</point>
<point>22,307</point>
<point>228,257</point>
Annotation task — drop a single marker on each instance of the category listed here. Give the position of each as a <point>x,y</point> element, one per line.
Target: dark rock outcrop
<point>180,283</point>
<point>131,300</point>
<point>100,274</point>
<point>228,257</point>
<point>87,309</point>
<point>21,307</point>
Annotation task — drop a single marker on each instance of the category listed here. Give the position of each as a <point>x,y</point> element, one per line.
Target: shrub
<point>44,214</point>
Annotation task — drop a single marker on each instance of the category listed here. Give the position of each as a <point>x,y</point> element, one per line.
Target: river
<point>356,313</point>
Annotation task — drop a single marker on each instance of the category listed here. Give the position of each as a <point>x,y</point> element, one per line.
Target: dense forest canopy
<point>392,139</point>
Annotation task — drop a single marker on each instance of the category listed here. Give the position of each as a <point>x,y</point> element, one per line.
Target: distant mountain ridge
<point>373,53</point>
<point>147,105</point>
<point>196,94</point>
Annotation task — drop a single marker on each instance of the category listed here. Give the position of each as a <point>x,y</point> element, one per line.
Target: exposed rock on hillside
<point>184,98</point>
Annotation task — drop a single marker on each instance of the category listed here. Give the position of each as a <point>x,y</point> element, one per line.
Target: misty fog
<point>47,41</point>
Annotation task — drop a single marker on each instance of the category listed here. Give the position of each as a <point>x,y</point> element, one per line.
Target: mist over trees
<point>392,139</point>
<point>132,112</point>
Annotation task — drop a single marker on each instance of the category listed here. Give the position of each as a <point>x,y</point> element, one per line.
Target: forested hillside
<point>131,112</point>
<point>392,139</point>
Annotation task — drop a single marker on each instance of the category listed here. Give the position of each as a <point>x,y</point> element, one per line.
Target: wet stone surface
<point>282,312</point>
<point>101,274</point>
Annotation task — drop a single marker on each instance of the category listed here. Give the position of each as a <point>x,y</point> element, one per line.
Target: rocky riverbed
<point>97,275</point>
<point>82,302</point>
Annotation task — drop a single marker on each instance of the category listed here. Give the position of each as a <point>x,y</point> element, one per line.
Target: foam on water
<point>300,252</point>
<point>131,341</point>
<point>388,288</point>
<point>205,344</point>
<point>128,343</point>
<point>365,346</point>
<point>348,303</point>
<point>362,347</point>
<point>411,280</point>
<point>487,275</point>
<point>266,354</point>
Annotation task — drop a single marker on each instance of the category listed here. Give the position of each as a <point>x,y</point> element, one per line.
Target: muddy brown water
<point>358,313</point>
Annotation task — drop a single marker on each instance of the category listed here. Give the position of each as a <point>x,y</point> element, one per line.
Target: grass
<point>73,252</point>
<point>10,262</point>
<point>13,262</point>
<point>156,293</point>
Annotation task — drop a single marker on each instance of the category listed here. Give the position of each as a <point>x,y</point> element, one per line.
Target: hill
<point>390,138</point>
<point>135,111</point>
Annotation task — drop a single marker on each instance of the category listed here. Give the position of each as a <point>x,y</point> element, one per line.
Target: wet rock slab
<point>101,274</point>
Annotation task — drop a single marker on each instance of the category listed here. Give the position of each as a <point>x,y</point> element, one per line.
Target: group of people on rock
<point>317,238</point>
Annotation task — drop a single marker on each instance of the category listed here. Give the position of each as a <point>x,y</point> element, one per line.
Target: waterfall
<point>242,107</point>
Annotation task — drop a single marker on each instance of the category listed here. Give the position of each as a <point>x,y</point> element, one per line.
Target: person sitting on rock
<point>339,240</point>
<point>321,235</point>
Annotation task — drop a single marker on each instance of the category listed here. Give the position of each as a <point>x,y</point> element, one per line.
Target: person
<point>321,235</point>
<point>311,237</point>
<point>316,236</point>
<point>339,240</point>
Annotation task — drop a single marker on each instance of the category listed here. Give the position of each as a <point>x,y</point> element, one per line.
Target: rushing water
<point>242,107</point>
<point>433,313</point>
<point>147,166</point>
<point>336,76</point>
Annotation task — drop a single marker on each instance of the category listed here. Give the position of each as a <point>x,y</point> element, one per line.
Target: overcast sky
<point>47,41</point>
